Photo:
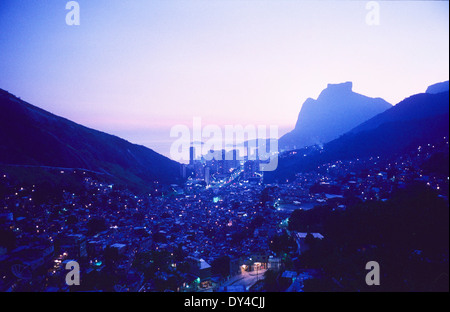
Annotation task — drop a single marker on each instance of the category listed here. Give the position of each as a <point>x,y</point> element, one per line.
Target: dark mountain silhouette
<point>419,119</point>
<point>438,87</point>
<point>416,107</point>
<point>337,110</point>
<point>31,136</point>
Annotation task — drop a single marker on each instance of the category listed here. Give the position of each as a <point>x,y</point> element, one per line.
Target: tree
<point>265,197</point>
<point>271,281</point>
<point>257,222</point>
<point>407,234</point>
<point>71,220</point>
<point>96,225</point>
<point>281,243</point>
<point>221,266</point>
<point>7,239</point>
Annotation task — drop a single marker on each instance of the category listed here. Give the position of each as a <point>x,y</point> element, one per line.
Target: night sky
<point>137,68</point>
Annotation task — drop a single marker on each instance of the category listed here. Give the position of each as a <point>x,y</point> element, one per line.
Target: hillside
<point>34,137</point>
<point>419,119</point>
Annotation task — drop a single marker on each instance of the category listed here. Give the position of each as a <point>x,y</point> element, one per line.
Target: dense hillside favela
<point>373,186</point>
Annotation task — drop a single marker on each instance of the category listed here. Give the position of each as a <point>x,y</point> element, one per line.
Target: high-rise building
<point>183,171</point>
<point>191,155</point>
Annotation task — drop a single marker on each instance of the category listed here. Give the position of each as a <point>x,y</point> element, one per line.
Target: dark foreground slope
<point>30,136</point>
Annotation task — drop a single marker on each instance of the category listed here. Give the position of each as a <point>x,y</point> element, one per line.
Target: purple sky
<point>136,68</point>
